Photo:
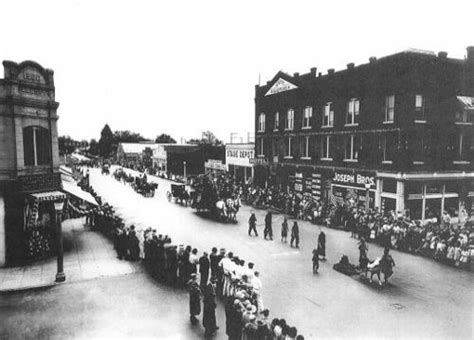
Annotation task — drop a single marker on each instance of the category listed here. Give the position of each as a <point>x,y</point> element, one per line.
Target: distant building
<point>185,159</point>
<point>134,154</point>
<point>29,160</point>
<point>398,130</point>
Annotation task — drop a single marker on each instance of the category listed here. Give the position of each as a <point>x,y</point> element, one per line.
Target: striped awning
<point>49,196</point>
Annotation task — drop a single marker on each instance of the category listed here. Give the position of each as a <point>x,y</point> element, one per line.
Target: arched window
<point>261,122</point>
<point>36,146</point>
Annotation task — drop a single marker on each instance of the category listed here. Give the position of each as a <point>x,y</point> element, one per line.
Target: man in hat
<point>253,224</point>
<point>295,235</point>
<point>268,226</point>
<point>194,299</point>
<point>214,262</point>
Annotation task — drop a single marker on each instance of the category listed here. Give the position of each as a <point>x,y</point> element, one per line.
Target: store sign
<point>281,85</point>
<point>215,164</point>
<point>258,161</point>
<point>354,179</point>
<point>34,183</point>
<point>239,154</point>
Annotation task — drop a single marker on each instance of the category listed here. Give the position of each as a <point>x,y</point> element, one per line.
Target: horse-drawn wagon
<point>179,194</point>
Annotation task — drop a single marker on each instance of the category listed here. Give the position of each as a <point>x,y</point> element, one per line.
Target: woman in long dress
<point>322,245</point>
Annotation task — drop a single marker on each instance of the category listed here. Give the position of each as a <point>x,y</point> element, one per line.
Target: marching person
<point>194,299</point>
<point>295,235</point>
<point>386,265</point>
<point>252,224</point>
<point>315,260</point>
<point>268,226</point>
<point>363,249</point>
<point>284,230</point>
<point>322,245</point>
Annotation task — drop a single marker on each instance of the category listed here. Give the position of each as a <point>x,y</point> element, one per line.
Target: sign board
<point>239,154</point>
<point>298,182</point>
<point>281,85</point>
<point>215,164</point>
<point>31,75</point>
<point>355,179</point>
<point>35,183</point>
<point>258,161</point>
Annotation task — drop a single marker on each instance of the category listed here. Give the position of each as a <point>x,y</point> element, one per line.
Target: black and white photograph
<point>236,170</point>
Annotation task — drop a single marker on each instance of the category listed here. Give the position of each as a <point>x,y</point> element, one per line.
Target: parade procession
<point>179,171</point>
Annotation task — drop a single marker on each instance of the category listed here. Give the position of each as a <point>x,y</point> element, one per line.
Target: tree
<point>207,138</point>
<point>67,145</point>
<point>127,136</point>
<point>164,138</point>
<point>106,142</point>
<point>93,147</point>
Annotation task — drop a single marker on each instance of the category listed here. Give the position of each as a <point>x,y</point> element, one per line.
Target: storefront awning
<point>49,196</point>
<point>74,190</point>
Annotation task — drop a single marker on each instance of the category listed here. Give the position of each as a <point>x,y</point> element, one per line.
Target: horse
<point>221,209</point>
<point>374,268</point>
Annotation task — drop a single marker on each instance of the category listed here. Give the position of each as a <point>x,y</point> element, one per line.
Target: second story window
<point>36,146</point>
<point>290,119</point>
<point>325,147</point>
<point>260,147</point>
<point>351,152</point>
<point>261,122</point>
<point>389,109</point>
<point>328,115</point>
<point>277,121</point>
<point>288,153</point>
<point>419,107</point>
<point>352,115</point>
<point>307,115</point>
<point>306,147</point>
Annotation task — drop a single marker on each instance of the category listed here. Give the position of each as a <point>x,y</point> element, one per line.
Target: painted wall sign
<point>281,85</point>
<point>239,154</point>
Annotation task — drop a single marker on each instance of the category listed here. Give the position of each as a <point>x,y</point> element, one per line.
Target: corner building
<point>397,131</point>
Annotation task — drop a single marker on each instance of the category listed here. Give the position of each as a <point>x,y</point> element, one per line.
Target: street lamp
<point>184,171</point>
<point>367,196</point>
<point>58,208</point>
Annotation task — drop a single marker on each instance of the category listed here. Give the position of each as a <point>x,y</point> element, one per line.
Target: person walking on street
<point>204,265</point>
<point>268,226</point>
<point>252,224</point>
<point>315,260</point>
<point>386,265</point>
<point>322,245</point>
<point>194,299</point>
<point>295,235</point>
<point>284,230</point>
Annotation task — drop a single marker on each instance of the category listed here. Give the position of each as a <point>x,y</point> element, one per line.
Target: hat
<point>249,307</point>
<point>236,302</point>
<point>193,276</point>
<point>253,309</point>
<point>222,250</point>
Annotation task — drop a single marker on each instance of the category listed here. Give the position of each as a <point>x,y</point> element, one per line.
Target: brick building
<point>29,159</point>
<point>397,130</point>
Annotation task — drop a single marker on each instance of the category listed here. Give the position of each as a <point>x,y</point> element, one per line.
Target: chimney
<point>470,53</point>
<point>372,60</point>
<point>313,71</point>
<point>350,66</point>
<point>296,74</point>
<point>442,54</point>
<point>331,71</point>
<point>319,74</point>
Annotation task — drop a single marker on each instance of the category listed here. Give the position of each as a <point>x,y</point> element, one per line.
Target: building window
<point>328,115</point>
<point>36,146</point>
<point>462,146</point>
<point>389,145</point>
<point>307,114</point>
<point>325,147</point>
<point>418,147</point>
<point>419,107</point>
<point>277,121</point>
<point>288,147</point>
<point>260,147</point>
<point>261,122</point>
<point>306,147</point>
<point>351,148</point>
<point>352,116</point>
<point>290,119</point>
<point>389,109</point>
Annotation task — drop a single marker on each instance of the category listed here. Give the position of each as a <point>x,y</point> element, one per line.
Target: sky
<point>182,67</point>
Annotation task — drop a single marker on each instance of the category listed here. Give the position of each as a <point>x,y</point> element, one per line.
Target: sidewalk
<point>88,255</point>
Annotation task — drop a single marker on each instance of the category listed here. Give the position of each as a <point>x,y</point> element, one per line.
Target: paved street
<point>426,299</point>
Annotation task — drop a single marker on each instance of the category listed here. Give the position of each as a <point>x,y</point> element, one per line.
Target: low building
<point>238,159</point>
<point>132,155</point>
<point>185,159</point>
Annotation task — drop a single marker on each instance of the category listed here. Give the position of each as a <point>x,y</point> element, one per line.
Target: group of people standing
<point>268,230</point>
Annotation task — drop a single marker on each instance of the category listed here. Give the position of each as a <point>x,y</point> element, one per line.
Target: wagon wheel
<point>169,196</point>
